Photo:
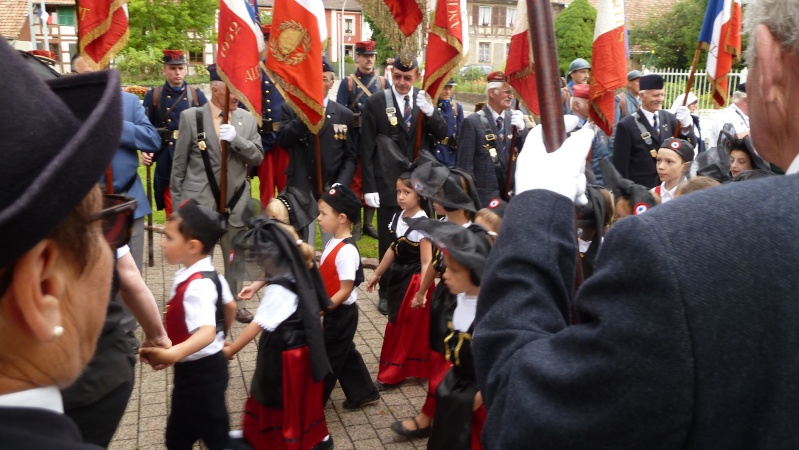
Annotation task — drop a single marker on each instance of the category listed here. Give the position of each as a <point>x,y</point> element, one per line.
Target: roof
<point>351,5</point>
<point>639,11</point>
<point>12,17</point>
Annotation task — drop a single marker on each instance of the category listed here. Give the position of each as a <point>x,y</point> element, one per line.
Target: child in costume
<point>490,217</point>
<point>284,410</point>
<point>342,271</point>
<point>196,324</point>
<point>673,160</point>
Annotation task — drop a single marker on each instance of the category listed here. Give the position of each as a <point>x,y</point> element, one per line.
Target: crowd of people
<point>586,298</point>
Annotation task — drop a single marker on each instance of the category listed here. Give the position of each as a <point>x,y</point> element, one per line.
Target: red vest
<point>175,317</point>
<point>329,272</point>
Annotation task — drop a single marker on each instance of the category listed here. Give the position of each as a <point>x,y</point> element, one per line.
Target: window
<point>485,16</point>
<point>510,17</point>
<point>348,27</point>
<point>484,52</point>
<point>66,16</point>
<point>196,55</point>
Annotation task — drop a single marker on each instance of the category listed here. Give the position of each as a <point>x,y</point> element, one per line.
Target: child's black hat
<point>681,147</point>
<point>497,206</point>
<point>302,207</point>
<point>469,246</point>
<point>343,199</point>
<point>205,224</point>
<point>641,199</point>
<point>444,186</point>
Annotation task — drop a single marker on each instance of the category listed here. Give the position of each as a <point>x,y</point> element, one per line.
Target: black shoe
<point>370,231</point>
<point>382,386</point>
<point>382,305</point>
<point>372,399</point>
<point>410,434</point>
<point>324,445</point>
<point>357,232</point>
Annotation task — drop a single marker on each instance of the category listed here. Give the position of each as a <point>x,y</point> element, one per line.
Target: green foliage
<point>138,65</point>
<point>173,24</point>
<point>673,35</point>
<point>574,33</point>
<point>385,48</point>
<point>266,17</point>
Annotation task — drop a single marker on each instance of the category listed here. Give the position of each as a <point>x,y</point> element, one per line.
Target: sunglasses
<point>117,217</point>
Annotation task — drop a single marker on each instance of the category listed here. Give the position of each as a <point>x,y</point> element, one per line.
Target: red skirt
<point>439,366</point>
<point>478,421</point>
<point>300,425</point>
<point>406,347</point>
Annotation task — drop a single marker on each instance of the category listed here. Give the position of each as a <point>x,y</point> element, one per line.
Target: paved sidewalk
<point>145,419</point>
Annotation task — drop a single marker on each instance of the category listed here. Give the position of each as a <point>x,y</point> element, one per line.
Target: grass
<point>367,246</point>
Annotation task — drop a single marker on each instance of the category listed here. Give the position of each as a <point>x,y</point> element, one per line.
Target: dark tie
<point>406,114</point>
<point>501,128</point>
<point>656,127</point>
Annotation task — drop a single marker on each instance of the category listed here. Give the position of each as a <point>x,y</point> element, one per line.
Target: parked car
<point>474,71</point>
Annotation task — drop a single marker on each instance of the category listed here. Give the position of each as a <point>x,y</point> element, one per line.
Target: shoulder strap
<point>157,95</point>
<point>391,113</point>
<point>383,82</point>
<point>359,277</point>
<point>645,135</point>
<point>491,147</point>
<point>364,89</point>
<point>193,94</point>
<point>220,312</point>
<point>209,171</point>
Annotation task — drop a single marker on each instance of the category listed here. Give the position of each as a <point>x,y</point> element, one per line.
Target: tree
<point>574,33</point>
<point>384,47</point>
<point>673,34</point>
<point>173,24</point>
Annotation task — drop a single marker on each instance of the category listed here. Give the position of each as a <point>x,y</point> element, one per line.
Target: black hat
<point>641,199</point>
<point>173,57</point>
<point>51,163</point>
<point>469,246</point>
<point>681,147</point>
<point>451,82</point>
<point>741,88</point>
<point>443,185</point>
<point>405,61</point>
<point>301,205</point>
<point>497,206</point>
<point>212,73</point>
<point>651,81</point>
<point>326,66</point>
<point>345,201</point>
<point>729,141</point>
<point>206,224</point>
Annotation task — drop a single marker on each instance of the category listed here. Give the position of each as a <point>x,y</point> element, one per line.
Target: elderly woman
<point>692,105</point>
<point>55,266</point>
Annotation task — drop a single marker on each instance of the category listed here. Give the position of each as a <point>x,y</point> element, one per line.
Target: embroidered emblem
<point>675,145</point>
<point>640,208</point>
<point>286,48</point>
<point>332,191</point>
<point>493,203</point>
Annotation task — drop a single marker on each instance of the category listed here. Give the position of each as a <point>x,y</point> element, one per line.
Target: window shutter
<point>475,15</point>
<point>502,17</point>
<point>495,15</point>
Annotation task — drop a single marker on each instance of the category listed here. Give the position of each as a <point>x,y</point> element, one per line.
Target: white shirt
<point>731,114</point>
<point>402,227</point>
<point>347,262</point>
<point>401,100</point>
<point>277,304</point>
<point>650,116</point>
<point>199,304</point>
<point>666,195</point>
<point>794,167</point>
<point>463,317</point>
<point>494,114</point>
<point>48,398</point>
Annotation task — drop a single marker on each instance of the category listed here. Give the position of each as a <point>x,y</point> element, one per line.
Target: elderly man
<point>628,102</point>
<point>484,143</point>
<point>600,147</point>
<point>395,112</point>
<point>197,167</point>
<point>737,114</point>
<point>639,135</point>
<point>674,342</point>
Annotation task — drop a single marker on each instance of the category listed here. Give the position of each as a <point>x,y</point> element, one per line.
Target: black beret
<point>497,206</point>
<point>640,198</point>
<point>326,66</point>
<point>58,138</point>
<point>741,88</point>
<point>682,147</point>
<point>650,81</point>
<point>212,73</point>
<point>405,61</point>
<point>206,224</point>
<point>345,201</point>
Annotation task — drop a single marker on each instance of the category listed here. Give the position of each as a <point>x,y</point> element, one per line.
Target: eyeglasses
<point>117,217</point>
<point>398,77</point>
<point>507,91</point>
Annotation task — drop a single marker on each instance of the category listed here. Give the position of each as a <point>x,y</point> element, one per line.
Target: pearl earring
<point>58,331</point>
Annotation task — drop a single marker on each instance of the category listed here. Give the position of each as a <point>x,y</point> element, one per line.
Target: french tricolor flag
<point>609,62</point>
<point>721,36</point>
<point>45,16</point>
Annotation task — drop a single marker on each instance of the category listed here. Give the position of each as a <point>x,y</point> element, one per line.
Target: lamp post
<point>341,44</point>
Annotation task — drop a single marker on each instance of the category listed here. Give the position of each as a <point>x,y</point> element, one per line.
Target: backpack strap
<point>491,148</point>
<point>220,313</point>
<point>193,94</point>
<point>622,106</point>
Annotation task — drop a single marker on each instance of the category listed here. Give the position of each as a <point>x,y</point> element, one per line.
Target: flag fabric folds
<point>294,57</point>
<point>609,62</point>
<point>520,67</point>
<point>407,13</point>
<point>102,30</point>
<point>721,36</point>
<point>239,49</point>
<point>45,16</point>
<point>447,43</point>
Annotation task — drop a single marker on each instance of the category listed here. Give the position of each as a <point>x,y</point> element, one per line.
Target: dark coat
<point>338,155</point>
<point>39,429</point>
<point>375,122</point>
<point>632,157</point>
<point>474,158</point>
<point>685,341</point>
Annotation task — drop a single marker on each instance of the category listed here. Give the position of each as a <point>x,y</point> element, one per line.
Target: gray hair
<point>737,96</point>
<point>219,84</point>
<point>781,17</point>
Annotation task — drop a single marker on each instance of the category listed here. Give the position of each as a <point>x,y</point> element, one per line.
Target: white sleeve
<point>199,304</point>
<point>122,251</point>
<point>347,262</point>
<point>277,304</point>
<point>227,295</point>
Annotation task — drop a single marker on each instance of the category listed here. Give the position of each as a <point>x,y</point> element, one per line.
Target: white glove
<point>372,199</point>
<point>517,120</point>
<point>684,116</point>
<point>424,105</point>
<point>571,122</point>
<point>227,132</point>
<point>562,172</point>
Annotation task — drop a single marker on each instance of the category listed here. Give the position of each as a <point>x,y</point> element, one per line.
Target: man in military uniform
<point>272,171</point>
<point>579,73</point>
<point>335,148</point>
<point>639,135</point>
<point>446,149</point>
<point>600,146</point>
<point>395,113</point>
<point>628,102</point>
<point>352,93</point>
<point>163,105</point>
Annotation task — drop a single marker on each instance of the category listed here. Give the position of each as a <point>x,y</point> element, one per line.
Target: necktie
<point>501,128</point>
<point>406,114</point>
<point>656,127</point>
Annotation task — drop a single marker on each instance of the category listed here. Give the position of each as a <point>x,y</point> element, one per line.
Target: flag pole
<point>223,145</point>
<point>545,55</point>
<point>690,82</point>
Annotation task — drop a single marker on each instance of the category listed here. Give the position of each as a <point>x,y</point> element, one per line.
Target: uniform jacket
<point>685,342</point>
<point>447,153</point>
<point>347,97</point>
<point>40,429</point>
<point>474,158</point>
<point>273,102</point>
<point>632,157</point>
<point>137,134</point>
<point>189,179</point>
<point>335,147</point>
<point>375,122</point>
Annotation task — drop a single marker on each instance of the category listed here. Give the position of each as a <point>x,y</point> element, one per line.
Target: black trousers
<point>384,215</point>
<point>198,404</point>
<point>345,360</point>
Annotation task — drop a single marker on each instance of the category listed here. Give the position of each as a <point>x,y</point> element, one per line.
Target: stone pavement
<point>368,428</point>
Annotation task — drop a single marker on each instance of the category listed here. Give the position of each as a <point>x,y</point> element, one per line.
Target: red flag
<point>294,58</point>
<point>609,60</point>
<point>407,14</point>
<point>447,43</point>
<point>239,52</point>
<point>520,68</point>
<point>102,30</point>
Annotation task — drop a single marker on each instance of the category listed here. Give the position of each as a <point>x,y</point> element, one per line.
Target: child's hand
<point>247,293</point>
<point>478,401</point>
<point>160,343</point>
<point>419,300</point>
<point>158,358</point>
<point>370,286</point>
<point>228,351</point>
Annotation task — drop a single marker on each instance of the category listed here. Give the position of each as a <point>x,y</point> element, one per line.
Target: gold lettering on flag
<point>454,13</point>
<point>253,74</point>
<point>233,30</point>
<point>83,12</point>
